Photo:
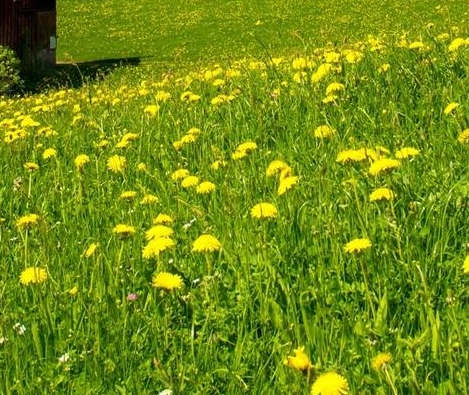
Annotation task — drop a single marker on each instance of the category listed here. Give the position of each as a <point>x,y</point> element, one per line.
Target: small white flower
<point>166,392</point>
<point>19,328</point>
<point>3,340</point>
<point>64,358</point>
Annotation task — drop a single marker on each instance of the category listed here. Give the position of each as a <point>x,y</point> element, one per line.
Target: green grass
<point>276,284</point>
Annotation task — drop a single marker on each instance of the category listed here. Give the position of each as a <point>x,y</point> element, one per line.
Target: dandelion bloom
<point>90,250</point>
<point>141,167</point>
<point>81,160</point>
<point>116,163</point>
<point>205,187</point>
<point>323,132</point>
<point>162,219</point>
<point>330,383</point>
<point>158,231</point>
<point>33,275</point>
<point>124,230</point>
<point>156,246</point>
<point>300,361</point>
<point>407,152</point>
<point>217,164</point>
<point>464,136</point>
<point>239,155</point>
<point>465,265</point>
<point>381,360</point>
<point>128,195</point>
<point>179,174</point>
<point>286,184</point>
<point>357,245</point>
<point>31,166</point>
<point>206,243</point>
<point>73,291</point>
<point>264,210</point>
<point>166,281</point>
<point>450,107</point>
<point>190,181</point>
<point>275,167</point>
<point>381,194</point>
<point>49,153</point>
<point>149,198</point>
<point>456,43</point>
<point>382,165</point>
<point>351,155</point>
<point>151,110</point>
<point>384,67</point>
<point>247,146</point>
<point>334,87</point>
<point>27,221</point>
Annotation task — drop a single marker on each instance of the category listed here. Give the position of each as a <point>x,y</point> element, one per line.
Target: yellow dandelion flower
<point>116,163</point>
<point>189,182</point>
<point>27,221</point>
<point>275,167</point>
<point>407,152</point>
<point>31,166</point>
<point>149,198</point>
<point>90,250</point>
<point>80,161</point>
<point>384,67</point>
<point>124,230</point>
<point>49,153</point>
<point>217,164</point>
<point>179,174</point>
<point>205,187</point>
<point>450,107</point>
<point>128,195</point>
<point>456,43</point>
<point>382,165</point>
<point>286,184</point>
<point>264,210</point>
<point>285,172</point>
<point>186,139</point>
<point>323,132</point>
<point>178,144</point>
<point>142,167</point>
<point>463,137</point>
<point>330,383</point>
<point>465,265</point>
<point>381,361</point>
<point>206,243</point>
<point>194,131</point>
<point>381,194</point>
<point>334,87</point>
<point>357,245</point>
<point>351,155</point>
<point>156,246</point>
<point>162,219</point>
<point>247,146</point>
<point>73,291</point>
<point>300,361</point>
<point>151,110</point>
<point>239,155</point>
<point>158,231</point>
<point>166,281</point>
<point>33,275</point>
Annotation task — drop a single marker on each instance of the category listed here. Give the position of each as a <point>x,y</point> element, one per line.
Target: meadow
<point>284,214</point>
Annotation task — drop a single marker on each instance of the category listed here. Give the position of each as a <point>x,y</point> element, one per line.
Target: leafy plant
<point>9,70</point>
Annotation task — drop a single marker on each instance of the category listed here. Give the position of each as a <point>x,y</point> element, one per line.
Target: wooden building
<point>29,28</point>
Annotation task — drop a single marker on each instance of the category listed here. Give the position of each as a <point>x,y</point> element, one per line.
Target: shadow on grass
<point>73,74</point>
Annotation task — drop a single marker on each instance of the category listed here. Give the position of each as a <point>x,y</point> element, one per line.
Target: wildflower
<point>149,198</point>
<point>90,250</point>
<point>73,291</point>
<point>49,153</point>
<point>116,163</point>
<point>206,243</point>
<point>157,245</point>
<point>456,43</point>
<point>407,152</point>
<point>465,265</point>
<point>166,392</point>
<point>464,136</point>
<point>239,155</point>
<point>264,210</point>
<point>217,164</point>
<point>158,231</point>
<point>286,184</point>
<point>381,361</point>
<point>186,139</point>
<point>124,230</point>
<point>382,165</point>
<point>64,358</point>
<point>151,110</point>
<point>247,146</point>
<point>351,155</point>
<point>323,131</point>
<point>166,281</point>
<point>384,67</point>
<point>274,167</point>
<point>330,383</point>
<point>450,107</point>
<point>179,174</point>
<point>132,297</point>
<point>128,195</point>
<point>300,361</point>
<point>162,219</point>
<point>357,245</point>
<point>205,187</point>
<point>80,161</point>
<point>27,221</point>
<point>141,167</point>
<point>381,194</point>
<point>19,328</point>
<point>190,181</point>
<point>334,87</point>
<point>33,275</point>
<point>31,166</point>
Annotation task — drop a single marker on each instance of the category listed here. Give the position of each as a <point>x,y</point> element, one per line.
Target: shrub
<point>9,70</point>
